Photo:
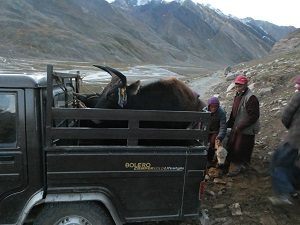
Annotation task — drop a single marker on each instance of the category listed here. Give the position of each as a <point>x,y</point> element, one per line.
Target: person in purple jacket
<point>217,128</point>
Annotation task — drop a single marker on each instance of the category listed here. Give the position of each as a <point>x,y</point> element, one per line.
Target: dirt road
<point>203,85</point>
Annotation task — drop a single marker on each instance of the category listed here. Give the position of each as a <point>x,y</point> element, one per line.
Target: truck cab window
<point>63,98</point>
<point>7,120</point>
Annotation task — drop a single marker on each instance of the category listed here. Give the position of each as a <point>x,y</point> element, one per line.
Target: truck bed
<point>147,170</point>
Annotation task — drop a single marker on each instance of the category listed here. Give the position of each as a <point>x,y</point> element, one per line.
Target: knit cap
<point>213,100</point>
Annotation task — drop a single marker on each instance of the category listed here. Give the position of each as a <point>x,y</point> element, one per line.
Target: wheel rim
<point>73,220</point>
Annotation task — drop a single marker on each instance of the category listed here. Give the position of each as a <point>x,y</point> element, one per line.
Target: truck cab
<point>54,170</point>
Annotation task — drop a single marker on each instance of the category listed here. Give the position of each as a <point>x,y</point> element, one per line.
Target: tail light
<point>202,190</point>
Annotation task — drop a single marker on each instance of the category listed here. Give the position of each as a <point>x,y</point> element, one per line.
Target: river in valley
<point>199,79</point>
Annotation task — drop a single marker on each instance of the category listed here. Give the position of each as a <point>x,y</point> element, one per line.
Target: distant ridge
<point>289,43</point>
<point>129,31</point>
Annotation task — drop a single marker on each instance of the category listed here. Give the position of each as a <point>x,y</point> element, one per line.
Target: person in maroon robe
<point>244,124</point>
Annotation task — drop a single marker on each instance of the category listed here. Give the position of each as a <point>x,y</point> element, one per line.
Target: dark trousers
<point>211,147</point>
<point>285,175</point>
<point>284,179</point>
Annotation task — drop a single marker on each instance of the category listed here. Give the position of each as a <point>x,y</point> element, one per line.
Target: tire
<point>73,213</point>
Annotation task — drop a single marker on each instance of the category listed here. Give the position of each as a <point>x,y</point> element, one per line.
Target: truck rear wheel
<point>73,214</point>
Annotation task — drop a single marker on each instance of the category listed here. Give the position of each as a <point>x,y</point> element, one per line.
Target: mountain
<point>203,32</point>
<point>276,32</point>
<point>77,30</point>
<point>127,31</point>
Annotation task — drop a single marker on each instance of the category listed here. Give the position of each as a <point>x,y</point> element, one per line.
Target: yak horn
<point>113,73</point>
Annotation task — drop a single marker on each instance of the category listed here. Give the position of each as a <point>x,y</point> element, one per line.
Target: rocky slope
<point>272,80</point>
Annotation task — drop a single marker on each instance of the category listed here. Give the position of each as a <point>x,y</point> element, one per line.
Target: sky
<point>279,12</point>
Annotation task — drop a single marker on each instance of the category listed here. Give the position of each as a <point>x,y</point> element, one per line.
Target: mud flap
<point>203,217</point>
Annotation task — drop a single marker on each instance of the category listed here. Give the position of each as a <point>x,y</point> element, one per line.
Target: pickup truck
<point>53,171</point>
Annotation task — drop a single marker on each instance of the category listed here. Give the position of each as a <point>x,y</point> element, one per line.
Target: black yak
<point>164,94</point>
